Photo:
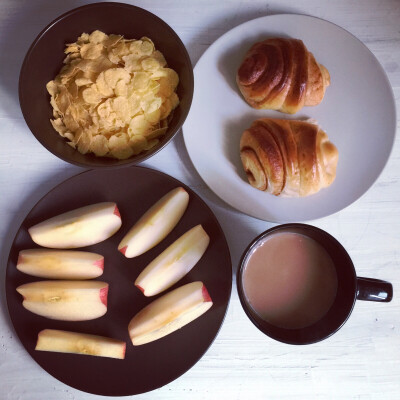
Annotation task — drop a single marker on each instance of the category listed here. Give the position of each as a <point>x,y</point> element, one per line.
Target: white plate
<point>358,114</point>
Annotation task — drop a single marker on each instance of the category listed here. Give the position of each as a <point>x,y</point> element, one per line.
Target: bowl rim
<point>121,163</point>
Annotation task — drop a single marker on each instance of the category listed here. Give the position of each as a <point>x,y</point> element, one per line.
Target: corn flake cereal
<point>113,97</point>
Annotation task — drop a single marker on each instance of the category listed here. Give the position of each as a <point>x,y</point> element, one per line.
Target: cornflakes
<point>114,96</point>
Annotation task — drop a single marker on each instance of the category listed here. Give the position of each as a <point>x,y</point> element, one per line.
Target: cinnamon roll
<point>281,74</point>
<point>288,157</point>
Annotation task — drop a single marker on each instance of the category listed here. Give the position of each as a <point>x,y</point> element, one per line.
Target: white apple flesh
<point>169,313</point>
<point>155,224</point>
<point>80,343</point>
<point>60,264</point>
<point>66,300</point>
<point>174,262</point>
<point>81,227</point>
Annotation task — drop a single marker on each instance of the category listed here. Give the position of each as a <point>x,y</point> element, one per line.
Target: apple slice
<point>174,262</point>
<point>155,224</point>
<point>78,228</point>
<point>80,343</point>
<point>60,264</point>
<point>169,313</point>
<point>66,300</point>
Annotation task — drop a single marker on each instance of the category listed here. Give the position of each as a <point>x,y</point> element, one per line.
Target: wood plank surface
<point>361,361</point>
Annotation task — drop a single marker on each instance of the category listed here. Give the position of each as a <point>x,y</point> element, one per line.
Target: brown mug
<point>349,289</point>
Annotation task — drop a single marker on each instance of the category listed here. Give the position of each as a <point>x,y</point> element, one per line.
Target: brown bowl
<point>44,61</point>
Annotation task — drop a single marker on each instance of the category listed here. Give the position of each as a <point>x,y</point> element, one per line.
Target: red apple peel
<point>206,295</point>
<point>140,288</point>
<point>104,295</point>
<point>99,263</point>
<point>116,212</point>
<point>20,259</point>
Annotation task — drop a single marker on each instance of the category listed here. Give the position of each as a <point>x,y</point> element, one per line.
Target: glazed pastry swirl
<point>281,74</point>
<point>288,157</point>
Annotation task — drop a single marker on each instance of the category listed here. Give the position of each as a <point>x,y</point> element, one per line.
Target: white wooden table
<point>361,361</point>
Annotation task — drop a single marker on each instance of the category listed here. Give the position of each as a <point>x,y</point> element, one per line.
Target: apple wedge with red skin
<point>60,264</point>
<point>169,313</point>
<point>65,300</point>
<point>81,227</point>
<point>79,343</point>
<point>155,224</point>
<point>174,262</point>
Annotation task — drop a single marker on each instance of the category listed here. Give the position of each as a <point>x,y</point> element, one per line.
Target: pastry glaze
<point>281,74</point>
<point>288,157</point>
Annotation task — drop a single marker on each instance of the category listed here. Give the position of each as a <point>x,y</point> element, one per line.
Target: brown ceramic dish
<point>145,367</point>
<point>44,60</point>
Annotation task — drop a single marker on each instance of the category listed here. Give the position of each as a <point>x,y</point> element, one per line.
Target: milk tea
<point>290,280</point>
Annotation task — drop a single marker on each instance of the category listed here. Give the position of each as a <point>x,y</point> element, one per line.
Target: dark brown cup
<point>350,288</point>
<point>44,58</point>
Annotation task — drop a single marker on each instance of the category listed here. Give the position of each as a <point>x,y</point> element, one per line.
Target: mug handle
<point>374,290</point>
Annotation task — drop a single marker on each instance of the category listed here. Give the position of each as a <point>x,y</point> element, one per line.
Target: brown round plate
<point>145,367</point>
